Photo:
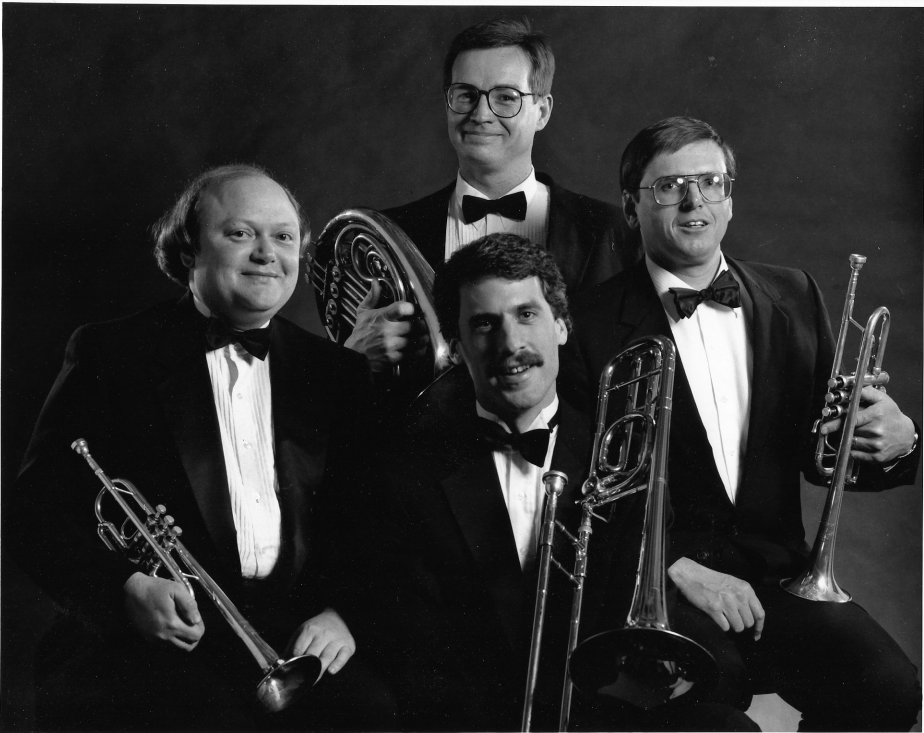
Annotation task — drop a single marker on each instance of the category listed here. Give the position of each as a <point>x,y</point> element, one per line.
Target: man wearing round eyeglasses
<point>755,351</point>
<point>497,91</point>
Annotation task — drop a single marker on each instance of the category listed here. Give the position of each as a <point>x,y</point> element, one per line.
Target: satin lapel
<point>185,395</point>
<point>300,436</point>
<point>432,238</point>
<point>474,495</point>
<point>571,259</point>
<point>571,457</point>
<point>767,329</point>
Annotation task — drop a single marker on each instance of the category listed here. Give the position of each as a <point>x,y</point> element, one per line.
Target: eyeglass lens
<point>503,101</point>
<point>671,190</point>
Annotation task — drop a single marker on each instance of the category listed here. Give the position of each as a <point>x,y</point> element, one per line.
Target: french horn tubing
<point>357,247</point>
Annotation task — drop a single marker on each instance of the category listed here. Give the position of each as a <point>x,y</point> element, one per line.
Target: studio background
<point>109,110</point>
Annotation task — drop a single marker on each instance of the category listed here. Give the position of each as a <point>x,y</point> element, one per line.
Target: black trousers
<point>830,661</point>
<point>140,686</point>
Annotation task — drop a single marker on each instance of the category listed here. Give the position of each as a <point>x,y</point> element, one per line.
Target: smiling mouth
<point>694,224</point>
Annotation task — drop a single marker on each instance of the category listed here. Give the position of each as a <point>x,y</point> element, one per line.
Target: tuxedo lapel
<point>474,495</point>
<point>768,326</point>
<point>185,394</point>
<point>300,443</point>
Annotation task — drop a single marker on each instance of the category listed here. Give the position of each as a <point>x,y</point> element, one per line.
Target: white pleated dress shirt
<point>243,402</point>
<point>716,354</point>
<point>535,227</point>
<point>521,484</point>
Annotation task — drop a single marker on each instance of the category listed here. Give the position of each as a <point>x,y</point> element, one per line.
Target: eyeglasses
<point>671,190</point>
<point>503,101</point>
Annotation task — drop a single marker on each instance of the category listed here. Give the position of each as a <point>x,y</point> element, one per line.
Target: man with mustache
<point>460,514</point>
<point>755,351</point>
<point>497,83</point>
<point>244,426</point>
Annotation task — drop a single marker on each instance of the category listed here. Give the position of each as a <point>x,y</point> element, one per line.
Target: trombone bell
<point>642,666</point>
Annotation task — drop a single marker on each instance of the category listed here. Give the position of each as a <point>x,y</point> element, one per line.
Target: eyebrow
<point>518,308</point>
<point>232,221</point>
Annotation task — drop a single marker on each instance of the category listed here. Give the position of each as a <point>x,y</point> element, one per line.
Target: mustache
<point>523,359</point>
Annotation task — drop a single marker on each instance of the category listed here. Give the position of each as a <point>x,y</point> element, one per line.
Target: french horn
<point>357,247</point>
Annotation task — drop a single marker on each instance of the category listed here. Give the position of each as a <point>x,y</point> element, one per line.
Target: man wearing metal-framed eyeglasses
<point>497,81</point>
<point>755,350</point>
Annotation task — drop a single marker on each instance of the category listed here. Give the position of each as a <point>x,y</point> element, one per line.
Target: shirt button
<point>256,497</point>
<point>246,444</point>
<point>239,396</point>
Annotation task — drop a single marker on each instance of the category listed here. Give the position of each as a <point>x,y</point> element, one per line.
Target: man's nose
<point>693,198</point>
<point>510,338</point>
<point>264,250</point>
<point>482,111</point>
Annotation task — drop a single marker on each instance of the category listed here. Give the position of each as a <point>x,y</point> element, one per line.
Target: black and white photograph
<point>461,367</point>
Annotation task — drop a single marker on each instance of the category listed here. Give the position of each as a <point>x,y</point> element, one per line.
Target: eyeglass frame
<point>487,95</point>
<point>687,179</point>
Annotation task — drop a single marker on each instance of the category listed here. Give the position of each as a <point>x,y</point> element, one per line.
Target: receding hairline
<point>214,187</point>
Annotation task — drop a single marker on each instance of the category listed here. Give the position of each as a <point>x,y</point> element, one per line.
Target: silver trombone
<point>643,663</point>
<point>817,582</point>
<point>151,546</point>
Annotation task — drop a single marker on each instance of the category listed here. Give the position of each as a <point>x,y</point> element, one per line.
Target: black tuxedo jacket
<point>457,607</point>
<point>761,536</point>
<point>584,234</point>
<point>138,390</point>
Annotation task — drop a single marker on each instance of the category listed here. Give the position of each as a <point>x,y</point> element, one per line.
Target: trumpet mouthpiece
<point>80,445</point>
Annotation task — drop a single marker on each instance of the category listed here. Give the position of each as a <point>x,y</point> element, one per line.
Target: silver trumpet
<point>842,401</point>
<point>643,663</point>
<point>151,546</point>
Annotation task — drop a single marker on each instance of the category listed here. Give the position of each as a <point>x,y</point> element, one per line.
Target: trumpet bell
<point>644,667</point>
<point>287,682</point>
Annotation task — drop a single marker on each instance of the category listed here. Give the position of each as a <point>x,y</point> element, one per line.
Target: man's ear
<point>188,260</point>
<point>629,205</point>
<point>545,111</point>
<point>561,335</point>
<point>455,352</point>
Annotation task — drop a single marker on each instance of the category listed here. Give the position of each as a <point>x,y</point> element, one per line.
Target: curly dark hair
<point>501,33</point>
<point>177,231</point>
<point>506,256</point>
<point>667,136</point>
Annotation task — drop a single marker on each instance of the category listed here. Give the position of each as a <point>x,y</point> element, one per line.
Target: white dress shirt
<point>716,354</point>
<point>521,484</point>
<point>243,402</point>
<point>535,227</point>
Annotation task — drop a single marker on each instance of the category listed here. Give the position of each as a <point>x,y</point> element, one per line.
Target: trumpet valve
<point>837,397</point>
<point>842,381</point>
<point>833,411</point>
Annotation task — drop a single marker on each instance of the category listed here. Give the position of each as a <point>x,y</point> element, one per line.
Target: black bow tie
<point>256,340</point>
<point>511,206</point>
<point>532,445</point>
<point>724,290</point>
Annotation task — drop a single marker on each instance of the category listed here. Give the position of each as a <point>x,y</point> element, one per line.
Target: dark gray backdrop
<point>108,110</point>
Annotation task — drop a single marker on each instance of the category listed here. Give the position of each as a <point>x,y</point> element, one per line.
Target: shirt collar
<point>663,280</point>
<point>463,188</point>
<point>541,421</point>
